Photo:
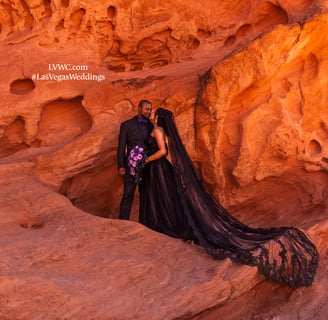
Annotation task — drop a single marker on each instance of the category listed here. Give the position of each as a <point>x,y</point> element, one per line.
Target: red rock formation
<point>267,123</point>
<point>247,83</point>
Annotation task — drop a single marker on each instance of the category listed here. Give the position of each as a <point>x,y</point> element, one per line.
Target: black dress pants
<point>129,188</point>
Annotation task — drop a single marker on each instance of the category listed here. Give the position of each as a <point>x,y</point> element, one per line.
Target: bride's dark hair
<point>164,117</point>
<point>284,255</point>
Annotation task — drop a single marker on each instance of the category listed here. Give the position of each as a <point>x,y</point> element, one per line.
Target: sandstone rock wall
<point>247,82</point>
<point>163,53</point>
<point>264,110</point>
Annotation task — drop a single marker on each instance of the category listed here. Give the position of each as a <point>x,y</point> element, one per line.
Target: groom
<point>133,132</point>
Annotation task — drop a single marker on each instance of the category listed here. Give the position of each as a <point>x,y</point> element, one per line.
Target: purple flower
<point>136,160</point>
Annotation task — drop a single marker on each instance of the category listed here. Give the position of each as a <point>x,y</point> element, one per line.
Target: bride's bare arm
<point>159,134</point>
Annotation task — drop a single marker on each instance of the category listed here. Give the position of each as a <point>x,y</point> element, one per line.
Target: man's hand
<point>121,171</point>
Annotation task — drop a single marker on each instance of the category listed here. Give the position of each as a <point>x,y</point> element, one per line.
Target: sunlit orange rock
<point>247,82</point>
<point>263,115</point>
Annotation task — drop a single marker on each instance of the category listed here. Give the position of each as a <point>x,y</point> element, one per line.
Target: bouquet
<point>136,161</point>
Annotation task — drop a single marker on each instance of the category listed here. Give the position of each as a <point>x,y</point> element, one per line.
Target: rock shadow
<point>62,121</point>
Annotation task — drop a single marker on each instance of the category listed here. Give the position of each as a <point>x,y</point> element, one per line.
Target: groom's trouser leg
<point>127,198</point>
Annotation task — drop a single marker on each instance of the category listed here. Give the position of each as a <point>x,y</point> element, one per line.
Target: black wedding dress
<point>176,202</point>
<point>161,208</point>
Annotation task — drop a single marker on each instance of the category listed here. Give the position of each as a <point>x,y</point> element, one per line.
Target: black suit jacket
<point>132,133</point>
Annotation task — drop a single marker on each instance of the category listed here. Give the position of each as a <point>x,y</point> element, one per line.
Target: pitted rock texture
<point>247,82</point>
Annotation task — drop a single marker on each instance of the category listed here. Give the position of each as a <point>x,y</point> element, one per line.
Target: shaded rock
<point>247,83</point>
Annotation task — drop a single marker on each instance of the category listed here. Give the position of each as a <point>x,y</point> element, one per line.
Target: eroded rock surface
<point>247,82</point>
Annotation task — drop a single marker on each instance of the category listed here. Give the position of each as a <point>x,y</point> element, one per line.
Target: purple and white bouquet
<point>136,161</point>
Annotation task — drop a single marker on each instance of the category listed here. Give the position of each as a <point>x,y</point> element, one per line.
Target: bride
<point>176,202</point>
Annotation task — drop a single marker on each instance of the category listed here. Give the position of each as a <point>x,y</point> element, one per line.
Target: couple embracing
<point>176,202</point>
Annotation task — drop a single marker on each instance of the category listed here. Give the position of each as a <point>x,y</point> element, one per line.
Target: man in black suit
<point>133,132</point>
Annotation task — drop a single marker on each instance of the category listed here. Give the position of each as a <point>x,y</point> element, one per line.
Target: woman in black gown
<point>177,202</point>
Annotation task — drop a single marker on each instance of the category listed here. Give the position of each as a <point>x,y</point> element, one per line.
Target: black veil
<point>284,255</point>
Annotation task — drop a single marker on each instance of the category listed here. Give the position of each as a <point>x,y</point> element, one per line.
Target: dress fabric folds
<point>178,203</point>
<point>161,208</point>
